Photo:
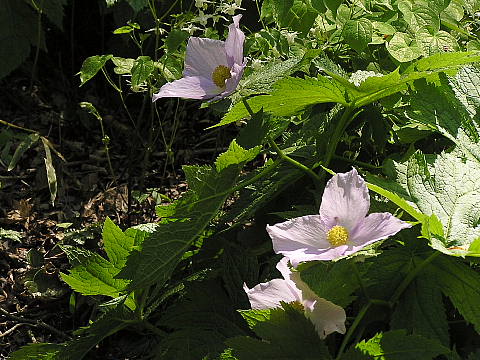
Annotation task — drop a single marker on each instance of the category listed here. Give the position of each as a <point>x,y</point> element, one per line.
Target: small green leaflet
<point>236,155</point>
<point>403,48</point>
<point>358,33</point>
<point>437,42</point>
<point>94,275</point>
<point>419,15</point>
<point>397,345</point>
<point>91,66</point>
<point>141,70</point>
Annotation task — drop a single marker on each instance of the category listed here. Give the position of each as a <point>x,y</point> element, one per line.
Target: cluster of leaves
<point>412,130</point>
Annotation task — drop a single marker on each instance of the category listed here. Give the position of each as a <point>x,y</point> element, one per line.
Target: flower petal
<point>375,227</point>
<point>300,239</point>
<point>345,201</point>
<point>192,87</point>
<point>234,43</point>
<point>203,57</point>
<point>327,318</point>
<point>269,295</point>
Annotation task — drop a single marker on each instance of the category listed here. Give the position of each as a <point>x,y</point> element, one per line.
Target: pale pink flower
<point>325,315</point>
<point>213,68</point>
<point>341,228</point>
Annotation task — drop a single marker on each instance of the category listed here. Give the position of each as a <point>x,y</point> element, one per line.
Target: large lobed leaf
<point>155,259</point>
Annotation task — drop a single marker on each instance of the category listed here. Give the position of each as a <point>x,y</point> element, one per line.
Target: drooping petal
<point>345,201</point>
<point>204,56</point>
<point>269,295</point>
<point>327,318</point>
<point>375,227</point>
<point>192,87</point>
<point>234,43</point>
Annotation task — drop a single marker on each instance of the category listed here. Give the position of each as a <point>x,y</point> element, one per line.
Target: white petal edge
<point>375,227</point>
<point>269,295</point>
<point>192,87</point>
<point>345,200</point>
<point>327,318</point>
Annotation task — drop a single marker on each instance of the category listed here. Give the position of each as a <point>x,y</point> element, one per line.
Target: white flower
<point>325,315</point>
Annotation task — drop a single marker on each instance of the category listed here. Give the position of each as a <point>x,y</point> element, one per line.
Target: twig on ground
<point>37,323</point>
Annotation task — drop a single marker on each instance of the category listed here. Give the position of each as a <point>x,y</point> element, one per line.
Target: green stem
<point>411,276</point>
<point>351,330</point>
<point>281,154</point>
<point>292,161</point>
<point>358,162</point>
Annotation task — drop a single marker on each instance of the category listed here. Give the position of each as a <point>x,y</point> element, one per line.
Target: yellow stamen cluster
<point>337,236</point>
<point>220,75</point>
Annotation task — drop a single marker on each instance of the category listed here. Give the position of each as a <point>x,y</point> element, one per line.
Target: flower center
<point>337,236</point>
<point>220,75</point>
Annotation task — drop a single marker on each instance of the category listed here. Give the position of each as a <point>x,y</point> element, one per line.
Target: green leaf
<point>421,311</point>
<point>287,334</point>
<point>419,16</point>
<point>402,203</point>
<point>93,275</point>
<point>281,8</point>
<point>432,43</point>
<point>255,316</point>
<point>203,318</point>
<point>460,283</point>
<point>358,33</point>
<point>297,15</point>
<point>108,324</point>
<point>157,256</point>
<point>122,66</point>
<point>378,87</point>
<point>332,281</point>
<point>175,38</point>
<point>91,66</point>
<point>236,155</point>
<point>397,345</point>
<point>455,102</point>
<point>117,244</point>
<point>18,29</point>
<point>40,351</point>
<point>261,81</point>
<point>403,48</point>
<point>446,185</point>
<point>141,70</point>
<point>26,144</point>
<point>289,97</point>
